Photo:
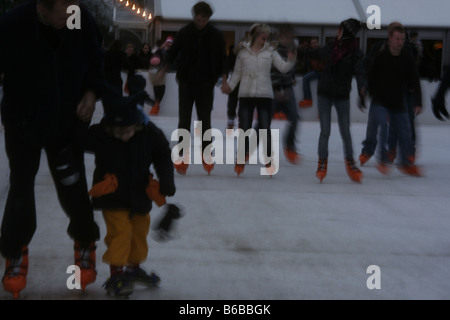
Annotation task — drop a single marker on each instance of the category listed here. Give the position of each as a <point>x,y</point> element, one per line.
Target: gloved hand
<point>153,193</point>
<point>165,225</point>
<point>108,185</point>
<point>362,99</point>
<point>362,104</point>
<point>439,110</point>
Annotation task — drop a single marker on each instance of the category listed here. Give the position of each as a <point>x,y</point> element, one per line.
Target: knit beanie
<point>350,28</point>
<point>122,111</point>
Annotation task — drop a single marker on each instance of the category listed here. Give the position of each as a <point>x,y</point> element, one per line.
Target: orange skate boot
<point>353,172</point>
<point>85,259</point>
<point>321,169</point>
<point>15,277</point>
<point>208,165</point>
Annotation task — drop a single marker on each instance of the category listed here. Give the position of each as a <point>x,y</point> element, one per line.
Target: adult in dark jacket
<point>49,98</point>
<point>200,49</point>
<point>370,142</point>
<point>393,74</point>
<point>343,60</point>
<point>125,148</point>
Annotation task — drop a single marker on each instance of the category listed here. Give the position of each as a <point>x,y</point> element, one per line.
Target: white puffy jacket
<point>253,71</point>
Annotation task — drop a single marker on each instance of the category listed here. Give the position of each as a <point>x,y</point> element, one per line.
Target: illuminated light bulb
<point>134,7</point>
<point>150,15</point>
<point>138,10</point>
<point>144,14</point>
<point>127,4</point>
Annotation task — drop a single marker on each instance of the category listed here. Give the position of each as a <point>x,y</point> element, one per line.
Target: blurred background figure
<point>159,58</point>
<point>145,55</point>
<point>284,98</point>
<point>314,66</point>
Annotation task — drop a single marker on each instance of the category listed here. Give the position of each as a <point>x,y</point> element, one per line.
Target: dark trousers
<point>232,103</point>
<point>202,95</point>
<point>264,114</point>
<point>159,92</point>
<point>19,218</point>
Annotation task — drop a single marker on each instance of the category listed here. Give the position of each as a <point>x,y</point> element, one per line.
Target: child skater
<point>125,146</point>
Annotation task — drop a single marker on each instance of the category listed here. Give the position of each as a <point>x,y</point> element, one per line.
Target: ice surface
<point>286,237</point>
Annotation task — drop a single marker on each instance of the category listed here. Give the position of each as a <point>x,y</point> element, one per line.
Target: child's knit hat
<point>123,111</point>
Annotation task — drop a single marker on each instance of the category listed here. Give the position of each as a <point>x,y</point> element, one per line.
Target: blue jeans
<point>307,78</point>
<point>343,114</point>
<point>398,123</point>
<point>285,101</point>
<point>393,139</point>
<point>375,126</point>
<point>373,123</point>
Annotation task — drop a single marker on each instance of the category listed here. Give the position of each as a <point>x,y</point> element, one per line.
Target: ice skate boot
<point>411,170</point>
<point>305,103</point>
<point>292,156</point>
<point>155,109</point>
<point>321,169</point>
<point>181,168</point>
<point>353,172</point>
<point>15,278</point>
<point>139,277</point>
<point>239,168</point>
<point>363,158</point>
<point>118,285</point>
<point>85,259</point>
<point>383,168</point>
<point>392,154</point>
<point>181,165</point>
<point>208,165</point>
<point>270,169</point>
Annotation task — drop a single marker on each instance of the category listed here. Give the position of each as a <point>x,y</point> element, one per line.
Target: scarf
<point>342,48</point>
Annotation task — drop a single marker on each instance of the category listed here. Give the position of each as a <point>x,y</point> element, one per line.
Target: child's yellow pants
<point>126,237</point>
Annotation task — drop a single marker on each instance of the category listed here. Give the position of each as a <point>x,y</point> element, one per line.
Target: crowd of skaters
<point>262,79</point>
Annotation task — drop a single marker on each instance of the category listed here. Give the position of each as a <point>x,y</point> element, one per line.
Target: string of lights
<point>133,7</point>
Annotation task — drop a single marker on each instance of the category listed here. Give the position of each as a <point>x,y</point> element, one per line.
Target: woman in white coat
<point>252,71</point>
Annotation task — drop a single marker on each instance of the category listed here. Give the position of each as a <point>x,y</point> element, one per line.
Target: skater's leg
<point>19,218</point>
<point>264,110</point>
<point>245,114</point>
<point>140,225</point>
<point>204,103</point>
<point>185,105</point>
<point>118,237</point>
<point>324,105</point>
<point>292,117</point>
<point>72,192</point>
<point>343,115</point>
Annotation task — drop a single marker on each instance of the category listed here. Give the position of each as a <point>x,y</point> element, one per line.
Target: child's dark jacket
<point>130,162</point>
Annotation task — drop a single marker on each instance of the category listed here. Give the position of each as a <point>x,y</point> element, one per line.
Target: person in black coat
<point>200,50</point>
<point>391,76</point>
<point>124,188</point>
<point>342,61</point>
<point>49,98</point>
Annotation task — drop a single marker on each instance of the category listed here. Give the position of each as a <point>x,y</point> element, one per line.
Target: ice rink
<point>288,237</point>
